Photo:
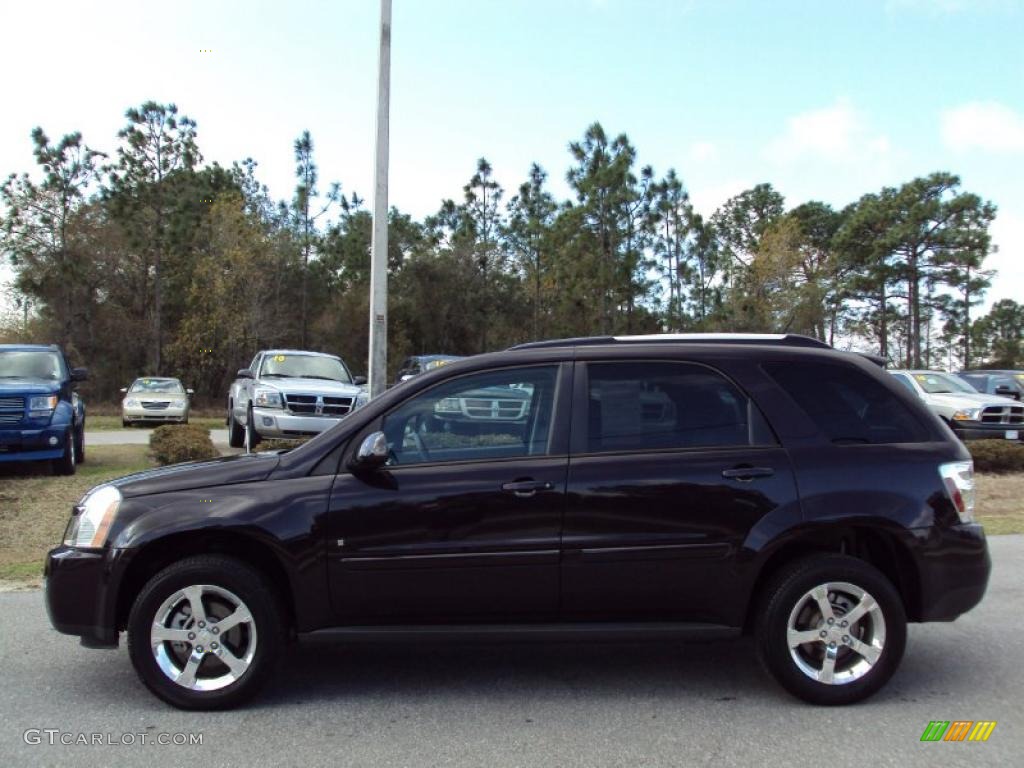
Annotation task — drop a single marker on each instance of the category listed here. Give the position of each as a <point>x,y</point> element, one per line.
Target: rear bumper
<point>276,423</point>
<point>80,599</point>
<point>954,570</point>
<point>32,444</point>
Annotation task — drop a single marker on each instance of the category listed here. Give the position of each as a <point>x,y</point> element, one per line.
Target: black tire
<point>66,464</point>
<point>236,433</point>
<point>125,424</point>
<point>80,445</point>
<point>787,591</point>
<point>224,573</point>
<point>252,437</point>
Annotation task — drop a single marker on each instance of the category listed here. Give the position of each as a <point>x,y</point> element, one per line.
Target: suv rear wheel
<point>205,633</point>
<point>831,629</point>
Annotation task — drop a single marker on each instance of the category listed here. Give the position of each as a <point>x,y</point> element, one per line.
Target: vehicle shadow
<point>317,670</point>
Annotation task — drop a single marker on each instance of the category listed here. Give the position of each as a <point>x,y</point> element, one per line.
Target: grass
<point>999,503</point>
<point>102,422</point>
<point>34,505</point>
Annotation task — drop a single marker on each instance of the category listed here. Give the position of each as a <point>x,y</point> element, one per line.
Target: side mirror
<point>124,390</point>
<point>190,392</point>
<point>372,454</point>
<point>79,374</point>
<point>244,373</point>
<point>405,377</point>
<point>359,380</point>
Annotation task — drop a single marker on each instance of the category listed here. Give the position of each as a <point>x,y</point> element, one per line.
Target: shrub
<point>997,455</point>
<point>174,443</point>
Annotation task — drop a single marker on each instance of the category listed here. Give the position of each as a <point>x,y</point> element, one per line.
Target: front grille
<point>12,403</point>
<point>155,405</point>
<point>314,405</point>
<point>11,418</point>
<point>1003,414</point>
<point>493,409</point>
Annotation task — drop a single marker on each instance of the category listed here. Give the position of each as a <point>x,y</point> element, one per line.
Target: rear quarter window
<point>847,405</point>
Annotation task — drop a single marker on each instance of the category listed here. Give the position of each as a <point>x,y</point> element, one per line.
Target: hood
<point>227,470</point>
<point>23,385</point>
<point>300,386</point>
<point>967,400</point>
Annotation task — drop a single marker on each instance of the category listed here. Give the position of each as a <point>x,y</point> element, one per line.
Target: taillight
<point>958,478</point>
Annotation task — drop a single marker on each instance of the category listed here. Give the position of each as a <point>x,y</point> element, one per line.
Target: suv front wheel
<point>831,629</point>
<point>205,633</point>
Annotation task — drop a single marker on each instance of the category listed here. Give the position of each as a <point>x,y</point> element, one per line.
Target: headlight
<point>967,414</point>
<point>267,398</point>
<point>361,399</point>
<point>131,402</point>
<point>91,520</point>
<point>448,405</point>
<point>177,403</point>
<point>42,403</point>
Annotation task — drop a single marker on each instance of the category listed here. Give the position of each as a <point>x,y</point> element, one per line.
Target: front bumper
<point>146,414</point>
<point>278,423</point>
<point>976,430</point>
<point>32,444</point>
<point>954,570</point>
<point>80,599</point>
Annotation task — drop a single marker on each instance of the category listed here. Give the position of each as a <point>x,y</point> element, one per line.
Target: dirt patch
<point>999,503</point>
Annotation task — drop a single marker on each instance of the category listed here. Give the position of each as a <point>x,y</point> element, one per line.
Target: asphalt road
<point>563,705</point>
<point>138,436</point>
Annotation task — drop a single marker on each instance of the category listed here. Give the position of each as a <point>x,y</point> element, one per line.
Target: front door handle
<point>747,473</point>
<point>526,488</point>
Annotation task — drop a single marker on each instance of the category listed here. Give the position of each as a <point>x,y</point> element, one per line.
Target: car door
<point>463,523</point>
<point>671,467</point>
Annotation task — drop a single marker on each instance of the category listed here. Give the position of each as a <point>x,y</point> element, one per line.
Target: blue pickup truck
<point>41,417</point>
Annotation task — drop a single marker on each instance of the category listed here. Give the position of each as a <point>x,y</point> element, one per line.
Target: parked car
<point>796,493</point>
<point>287,393</point>
<point>972,415</point>
<point>155,399</point>
<point>417,364</point>
<point>1005,383</point>
<point>42,418</point>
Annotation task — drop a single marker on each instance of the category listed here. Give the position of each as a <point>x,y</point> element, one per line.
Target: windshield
<point>30,364</point>
<point>305,367</point>
<point>157,385</point>
<point>942,384</point>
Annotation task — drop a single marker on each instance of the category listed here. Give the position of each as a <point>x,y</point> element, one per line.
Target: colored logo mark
<point>958,730</point>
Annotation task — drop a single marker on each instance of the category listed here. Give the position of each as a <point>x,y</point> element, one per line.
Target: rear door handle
<point>526,488</point>
<point>747,473</point>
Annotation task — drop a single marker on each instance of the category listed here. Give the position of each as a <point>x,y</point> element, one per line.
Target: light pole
<point>379,242</point>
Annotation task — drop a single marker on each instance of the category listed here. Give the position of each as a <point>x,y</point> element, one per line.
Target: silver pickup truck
<point>287,393</point>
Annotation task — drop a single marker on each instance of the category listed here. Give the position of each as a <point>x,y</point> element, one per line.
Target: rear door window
<point>847,405</point>
<point>655,405</point>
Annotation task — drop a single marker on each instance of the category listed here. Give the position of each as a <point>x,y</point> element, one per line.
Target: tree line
<point>149,261</point>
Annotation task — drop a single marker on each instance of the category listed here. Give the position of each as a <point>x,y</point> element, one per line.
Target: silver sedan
<point>155,398</point>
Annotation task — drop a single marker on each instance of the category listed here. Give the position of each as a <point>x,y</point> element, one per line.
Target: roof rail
<point>783,339</point>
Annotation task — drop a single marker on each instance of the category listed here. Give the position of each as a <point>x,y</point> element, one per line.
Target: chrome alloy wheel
<point>203,637</point>
<point>836,633</point>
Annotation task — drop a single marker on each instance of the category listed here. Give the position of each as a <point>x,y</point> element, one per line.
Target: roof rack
<point>783,339</point>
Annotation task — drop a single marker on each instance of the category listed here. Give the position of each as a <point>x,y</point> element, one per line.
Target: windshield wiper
<point>325,378</point>
<point>278,375</point>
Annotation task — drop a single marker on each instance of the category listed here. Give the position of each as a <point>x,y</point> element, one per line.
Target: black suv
<point>671,487</point>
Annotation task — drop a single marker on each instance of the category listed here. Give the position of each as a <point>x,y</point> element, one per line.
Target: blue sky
<point>825,100</point>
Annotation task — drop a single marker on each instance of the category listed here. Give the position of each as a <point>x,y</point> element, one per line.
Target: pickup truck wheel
<point>252,437</point>
<point>831,630</point>
<point>205,633</point>
<point>236,433</point>
<point>66,464</point>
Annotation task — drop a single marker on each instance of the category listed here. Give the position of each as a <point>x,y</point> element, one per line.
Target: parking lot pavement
<point>503,705</point>
<point>138,436</point>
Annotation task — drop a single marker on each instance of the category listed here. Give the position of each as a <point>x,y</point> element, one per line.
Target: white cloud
<point>985,125</point>
<point>835,134</point>
<point>708,198</point>
<point>703,151</point>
